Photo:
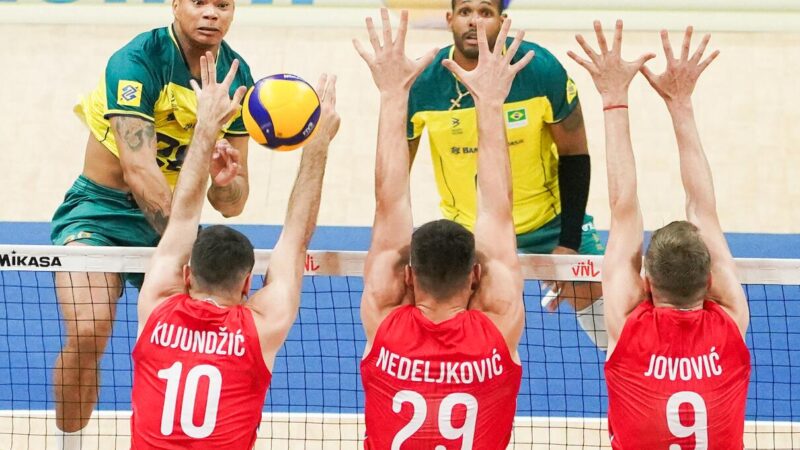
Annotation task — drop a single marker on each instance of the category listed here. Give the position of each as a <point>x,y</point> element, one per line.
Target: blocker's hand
<point>677,82</point>
<point>391,69</point>
<point>611,74</point>
<point>225,163</point>
<point>492,77</point>
<point>329,119</point>
<point>214,106</point>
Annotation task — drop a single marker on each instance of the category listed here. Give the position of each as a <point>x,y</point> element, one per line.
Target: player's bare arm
<point>215,108</point>
<point>275,306</point>
<point>623,287</point>
<point>136,139</point>
<point>230,185</point>
<point>384,269</point>
<point>675,86</point>
<point>500,291</point>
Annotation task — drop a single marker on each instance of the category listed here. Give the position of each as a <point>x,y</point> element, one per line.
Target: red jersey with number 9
<point>446,386</point>
<point>199,378</point>
<point>678,380</point>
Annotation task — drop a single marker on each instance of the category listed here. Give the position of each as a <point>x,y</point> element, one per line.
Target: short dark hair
<point>501,5</point>
<point>678,262</point>
<point>221,257</point>
<point>442,256</point>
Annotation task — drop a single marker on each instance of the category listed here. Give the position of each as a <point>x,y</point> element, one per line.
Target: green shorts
<point>97,215</point>
<point>545,239</point>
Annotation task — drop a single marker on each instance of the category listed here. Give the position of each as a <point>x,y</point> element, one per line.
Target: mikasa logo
<point>15,260</point>
<point>308,129</point>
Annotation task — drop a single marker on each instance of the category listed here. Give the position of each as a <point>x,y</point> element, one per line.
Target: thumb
<point>450,65</point>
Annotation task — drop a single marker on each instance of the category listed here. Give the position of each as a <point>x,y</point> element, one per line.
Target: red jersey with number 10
<point>678,379</point>
<point>446,386</point>
<point>199,378</point>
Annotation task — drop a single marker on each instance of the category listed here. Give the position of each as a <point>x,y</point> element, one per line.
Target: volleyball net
<point>315,400</point>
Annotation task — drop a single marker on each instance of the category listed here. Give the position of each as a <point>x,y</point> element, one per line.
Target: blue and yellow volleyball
<point>281,111</point>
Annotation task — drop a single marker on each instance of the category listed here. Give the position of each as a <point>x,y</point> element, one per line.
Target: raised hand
<point>329,120</point>
<point>225,163</point>
<point>492,77</point>
<point>391,69</point>
<point>677,82</point>
<point>611,74</point>
<point>214,105</point>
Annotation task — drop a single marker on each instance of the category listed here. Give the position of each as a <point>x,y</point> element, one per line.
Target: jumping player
<point>203,359</point>
<point>141,119</point>
<point>678,367</point>
<point>442,309</point>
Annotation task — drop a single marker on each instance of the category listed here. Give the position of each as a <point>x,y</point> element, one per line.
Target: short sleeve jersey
<point>446,386</point>
<point>199,378</point>
<point>678,380</point>
<point>149,78</point>
<point>541,94</point>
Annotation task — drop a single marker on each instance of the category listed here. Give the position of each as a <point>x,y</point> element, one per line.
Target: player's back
<point>445,386</point>
<point>678,377</point>
<point>199,378</point>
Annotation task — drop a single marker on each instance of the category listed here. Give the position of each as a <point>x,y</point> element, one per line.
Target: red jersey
<point>199,378</point>
<point>678,380</point>
<point>445,386</point>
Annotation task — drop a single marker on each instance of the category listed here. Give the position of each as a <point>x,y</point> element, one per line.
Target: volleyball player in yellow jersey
<point>546,137</point>
<point>141,118</point>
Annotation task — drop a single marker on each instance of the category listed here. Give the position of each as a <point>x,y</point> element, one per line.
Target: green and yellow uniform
<point>149,79</point>
<point>541,94</point>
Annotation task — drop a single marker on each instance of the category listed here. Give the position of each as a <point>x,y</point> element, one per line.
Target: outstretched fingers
<point>499,43</point>
<point>586,48</point>
<point>601,37</point>
<point>402,29</point>
<point>667,46</point>
<point>519,65</point>
<point>588,65</point>
<point>687,43</point>
<point>617,46</point>
<point>454,68</point>
<point>387,27</point>
<point>373,35</point>
<point>698,54</point>
<point>702,66</point>
<point>512,50</point>
<point>228,81</point>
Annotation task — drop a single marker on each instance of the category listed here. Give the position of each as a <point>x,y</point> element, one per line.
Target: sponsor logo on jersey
<point>129,93</point>
<point>516,118</point>
<point>572,90</point>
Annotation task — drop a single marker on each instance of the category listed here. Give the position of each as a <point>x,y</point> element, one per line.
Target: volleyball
<point>281,111</point>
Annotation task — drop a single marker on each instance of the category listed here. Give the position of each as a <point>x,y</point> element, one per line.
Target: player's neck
<point>463,61</point>
<point>438,310</point>
<point>214,298</point>
<point>659,302</point>
<point>192,51</point>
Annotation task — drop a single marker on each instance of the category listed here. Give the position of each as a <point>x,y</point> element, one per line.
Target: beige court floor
<point>747,106</point>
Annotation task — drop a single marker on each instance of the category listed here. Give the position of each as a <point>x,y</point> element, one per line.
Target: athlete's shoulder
<point>228,54</point>
<point>146,47</point>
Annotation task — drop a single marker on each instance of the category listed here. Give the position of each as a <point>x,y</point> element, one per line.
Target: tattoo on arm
<point>155,215</point>
<point>136,133</point>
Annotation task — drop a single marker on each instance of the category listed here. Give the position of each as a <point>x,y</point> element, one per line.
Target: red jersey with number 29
<point>678,380</point>
<point>199,378</point>
<point>446,386</point>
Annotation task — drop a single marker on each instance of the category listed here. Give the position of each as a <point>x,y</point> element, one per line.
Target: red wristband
<point>609,108</point>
